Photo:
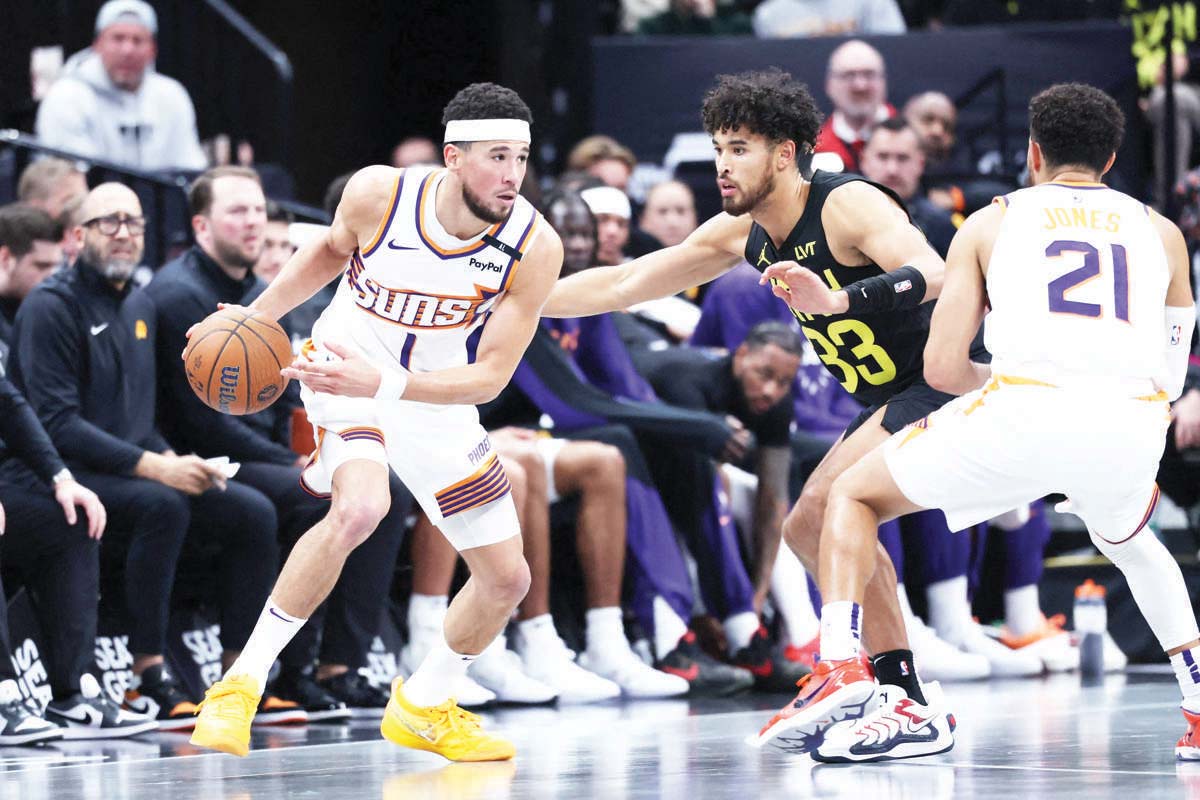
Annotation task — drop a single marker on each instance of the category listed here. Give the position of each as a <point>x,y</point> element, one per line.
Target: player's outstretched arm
<point>960,309</point>
<point>364,204</point>
<point>710,250</point>
<point>863,224</point>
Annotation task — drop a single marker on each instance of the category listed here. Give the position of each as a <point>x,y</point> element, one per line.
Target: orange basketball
<point>233,360</point>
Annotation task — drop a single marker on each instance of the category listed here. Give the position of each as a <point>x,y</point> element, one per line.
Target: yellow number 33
<point>885,369</point>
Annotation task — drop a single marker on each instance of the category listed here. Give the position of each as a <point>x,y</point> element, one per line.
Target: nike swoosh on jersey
<point>98,329</point>
<point>393,246</point>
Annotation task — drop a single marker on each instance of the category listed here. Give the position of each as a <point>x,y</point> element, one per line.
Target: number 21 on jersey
<point>1058,288</point>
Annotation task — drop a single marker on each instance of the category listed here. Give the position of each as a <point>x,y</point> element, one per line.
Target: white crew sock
<point>605,634</point>
<point>1022,610</point>
<point>789,593</point>
<point>841,630</point>
<point>1187,672</point>
<point>949,608</point>
<point>434,681</point>
<point>669,627</point>
<point>740,629</point>
<point>274,629</point>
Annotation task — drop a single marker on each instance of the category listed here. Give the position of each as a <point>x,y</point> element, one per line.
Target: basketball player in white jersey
<point>1090,322</point>
<point>448,271</point>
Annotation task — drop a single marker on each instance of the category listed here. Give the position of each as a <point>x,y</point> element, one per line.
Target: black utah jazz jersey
<point>873,356</point>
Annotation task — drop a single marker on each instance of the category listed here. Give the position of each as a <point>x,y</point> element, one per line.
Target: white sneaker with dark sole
<point>898,728</point>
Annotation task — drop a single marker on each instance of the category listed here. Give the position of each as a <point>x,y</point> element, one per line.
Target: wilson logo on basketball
<point>227,391</point>
<point>419,309</point>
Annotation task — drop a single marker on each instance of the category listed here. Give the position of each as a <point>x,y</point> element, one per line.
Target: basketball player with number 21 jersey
<point>445,274</point>
<point>1090,323</point>
<point>842,252</point>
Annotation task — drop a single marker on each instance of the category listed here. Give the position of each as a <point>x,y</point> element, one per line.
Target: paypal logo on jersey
<point>485,266</point>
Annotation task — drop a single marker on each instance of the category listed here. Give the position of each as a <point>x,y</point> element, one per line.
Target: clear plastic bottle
<point>1091,621</point>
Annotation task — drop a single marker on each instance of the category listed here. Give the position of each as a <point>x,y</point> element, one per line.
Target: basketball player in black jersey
<point>859,277</point>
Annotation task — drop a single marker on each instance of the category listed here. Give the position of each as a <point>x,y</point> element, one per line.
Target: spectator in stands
<point>111,104</point>
<point>696,18</point>
<point>415,151</point>
<point>83,355</point>
<point>228,219</point>
<point>751,384</point>
<point>669,214</point>
<point>856,81</point>
<point>612,211</point>
<point>277,246</point>
<point>784,18</point>
<point>605,158</point>
<point>51,184</point>
<point>30,250</point>
<point>550,470</point>
<point>934,117</point>
<point>52,547</point>
<point>1151,53</point>
<point>893,157</point>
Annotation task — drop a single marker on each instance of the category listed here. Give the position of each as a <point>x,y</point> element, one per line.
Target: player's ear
<point>785,154</point>
<point>1108,164</point>
<point>452,155</point>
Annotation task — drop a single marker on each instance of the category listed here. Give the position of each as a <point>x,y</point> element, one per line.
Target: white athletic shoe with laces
<point>898,728</point>
<point>500,671</point>
<point>552,663</point>
<point>940,660</point>
<point>635,677</point>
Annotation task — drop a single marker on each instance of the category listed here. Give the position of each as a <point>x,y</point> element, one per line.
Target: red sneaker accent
<point>808,654</point>
<point>825,679</point>
<point>1192,737</point>
<point>690,674</point>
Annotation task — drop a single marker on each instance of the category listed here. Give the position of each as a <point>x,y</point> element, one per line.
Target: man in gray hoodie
<point>110,103</point>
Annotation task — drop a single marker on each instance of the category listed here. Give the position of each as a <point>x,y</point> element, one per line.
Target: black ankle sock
<point>895,668</point>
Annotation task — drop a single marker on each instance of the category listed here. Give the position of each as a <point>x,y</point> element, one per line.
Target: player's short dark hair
<point>486,101</point>
<point>568,196</point>
<point>200,193</point>
<point>1076,125</point>
<point>21,225</point>
<point>777,333</point>
<point>770,103</point>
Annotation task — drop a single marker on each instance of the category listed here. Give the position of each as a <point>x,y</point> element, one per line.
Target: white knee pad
<point>1156,584</point>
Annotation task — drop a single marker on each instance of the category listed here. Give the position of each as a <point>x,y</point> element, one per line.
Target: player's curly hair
<point>769,102</point>
<point>1076,125</point>
<point>486,101</point>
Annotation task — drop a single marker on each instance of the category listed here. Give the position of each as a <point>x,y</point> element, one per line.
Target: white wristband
<point>392,384</point>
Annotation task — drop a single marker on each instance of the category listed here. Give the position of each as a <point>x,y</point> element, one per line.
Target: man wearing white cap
<point>110,103</point>
<point>390,379</point>
<point>611,208</point>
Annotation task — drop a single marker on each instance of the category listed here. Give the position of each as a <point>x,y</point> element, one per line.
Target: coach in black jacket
<point>83,354</point>
<point>229,220</point>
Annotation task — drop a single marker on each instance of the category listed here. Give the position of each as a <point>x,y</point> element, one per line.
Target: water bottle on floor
<point>1091,621</point>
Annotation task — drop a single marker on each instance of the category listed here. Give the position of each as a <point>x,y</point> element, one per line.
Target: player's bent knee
<point>509,582</point>
<point>355,518</point>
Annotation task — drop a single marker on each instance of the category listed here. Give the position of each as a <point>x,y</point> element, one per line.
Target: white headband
<point>607,200</point>
<point>487,130</point>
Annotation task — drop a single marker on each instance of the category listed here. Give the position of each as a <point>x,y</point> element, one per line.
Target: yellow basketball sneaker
<point>225,715</point>
<point>446,730</point>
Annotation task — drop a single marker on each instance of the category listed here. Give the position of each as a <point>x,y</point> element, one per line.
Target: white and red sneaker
<point>832,692</point>
<point>898,728</point>
<point>1188,746</point>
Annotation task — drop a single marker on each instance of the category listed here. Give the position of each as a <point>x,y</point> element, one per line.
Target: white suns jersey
<point>416,297</point>
<point>1077,284</point>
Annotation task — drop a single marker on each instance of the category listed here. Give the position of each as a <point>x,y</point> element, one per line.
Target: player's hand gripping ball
<point>233,359</point>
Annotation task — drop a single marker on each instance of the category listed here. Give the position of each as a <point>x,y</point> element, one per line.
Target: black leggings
<point>60,566</point>
<point>150,521</point>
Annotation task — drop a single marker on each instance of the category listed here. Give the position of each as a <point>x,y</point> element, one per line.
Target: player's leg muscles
<point>361,498</point>
<point>499,580</point>
<point>883,625</point>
